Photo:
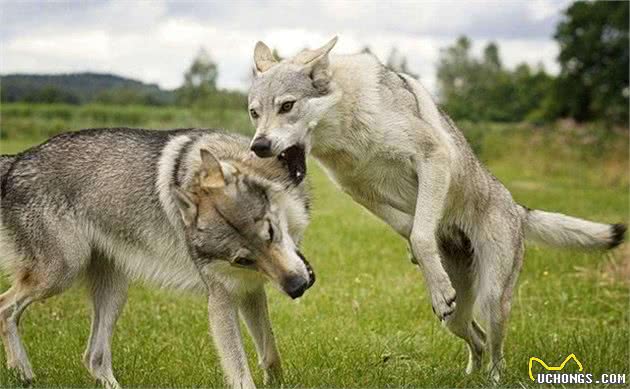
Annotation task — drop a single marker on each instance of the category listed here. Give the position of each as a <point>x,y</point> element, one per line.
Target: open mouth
<point>309,269</point>
<point>294,159</point>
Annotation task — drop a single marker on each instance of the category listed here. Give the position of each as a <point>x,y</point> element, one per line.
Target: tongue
<point>295,161</point>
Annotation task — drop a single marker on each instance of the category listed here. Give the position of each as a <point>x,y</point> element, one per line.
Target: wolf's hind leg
<point>459,263</point>
<point>108,292</point>
<point>4,299</point>
<point>30,285</point>
<point>500,255</point>
<point>12,304</point>
<point>461,325</point>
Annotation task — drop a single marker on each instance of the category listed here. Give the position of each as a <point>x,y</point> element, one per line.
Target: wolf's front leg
<point>433,169</point>
<point>225,330</point>
<point>253,307</point>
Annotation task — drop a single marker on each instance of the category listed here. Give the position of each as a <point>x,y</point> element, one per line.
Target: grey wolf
<point>187,209</point>
<point>383,140</point>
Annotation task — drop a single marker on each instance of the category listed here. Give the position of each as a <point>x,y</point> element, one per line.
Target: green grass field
<point>367,322</point>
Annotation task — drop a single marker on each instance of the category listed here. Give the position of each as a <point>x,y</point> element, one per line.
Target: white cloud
<point>81,46</point>
<point>543,9</point>
<point>534,52</point>
<point>156,41</point>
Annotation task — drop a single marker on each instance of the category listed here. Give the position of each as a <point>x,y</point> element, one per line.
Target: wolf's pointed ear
<point>263,57</point>
<point>185,204</point>
<point>210,172</point>
<point>316,64</point>
<point>308,57</point>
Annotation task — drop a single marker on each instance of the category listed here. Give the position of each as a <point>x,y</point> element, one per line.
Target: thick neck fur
<point>348,121</point>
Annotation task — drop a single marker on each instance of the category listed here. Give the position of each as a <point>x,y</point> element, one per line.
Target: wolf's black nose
<point>295,286</point>
<point>262,147</point>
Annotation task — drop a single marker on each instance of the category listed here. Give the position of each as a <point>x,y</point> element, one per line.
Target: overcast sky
<point>155,41</point>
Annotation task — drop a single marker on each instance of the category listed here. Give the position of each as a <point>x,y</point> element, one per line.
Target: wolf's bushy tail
<point>556,229</point>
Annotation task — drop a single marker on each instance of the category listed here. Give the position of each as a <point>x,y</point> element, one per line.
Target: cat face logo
<point>553,368</point>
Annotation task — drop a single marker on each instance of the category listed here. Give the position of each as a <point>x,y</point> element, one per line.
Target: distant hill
<point>80,88</point>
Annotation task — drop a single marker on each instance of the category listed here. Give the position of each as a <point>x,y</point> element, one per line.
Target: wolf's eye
<point>286,107</point>
<point>242,261</point>
<point>253,113</point>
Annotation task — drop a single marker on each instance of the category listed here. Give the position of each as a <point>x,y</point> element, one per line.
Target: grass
<point>368,321</point>
<point>33,121</point>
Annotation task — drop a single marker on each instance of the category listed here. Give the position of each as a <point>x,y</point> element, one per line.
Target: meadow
<point>367,322</point>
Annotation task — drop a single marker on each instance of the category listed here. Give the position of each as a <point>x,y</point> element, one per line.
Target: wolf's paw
<point>22,371</point>
<point>474,361</point>
<point>110,384</point>
<point>443,299</point>
<point>272,374</point>
<point>495,370</point>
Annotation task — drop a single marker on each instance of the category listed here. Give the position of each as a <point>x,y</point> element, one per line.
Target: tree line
<point>81,88</point>
<point>592,84</point>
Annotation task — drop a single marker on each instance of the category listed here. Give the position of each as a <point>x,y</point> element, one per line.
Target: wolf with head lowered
<point>384,141</point>
<point>186,209</point>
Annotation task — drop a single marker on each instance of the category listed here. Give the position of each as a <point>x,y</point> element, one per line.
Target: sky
<point>155,41</point>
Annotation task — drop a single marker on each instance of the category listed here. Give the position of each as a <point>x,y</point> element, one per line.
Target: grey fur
<point>179,208</point>
<point>384,141</point>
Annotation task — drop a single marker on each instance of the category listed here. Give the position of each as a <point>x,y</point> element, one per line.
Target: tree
<point>51,95</point>
<point>276,55</point>
<point>200,80</point>
<point>481,89</point>
<point>127,95</point>
<point>491,56</point>
<point>396,62</point>
<point>456,74</point>
<point>593,81</point>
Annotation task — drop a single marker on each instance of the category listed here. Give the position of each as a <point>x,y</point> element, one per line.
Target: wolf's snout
<point>295,286</point>
<point>262,147</point>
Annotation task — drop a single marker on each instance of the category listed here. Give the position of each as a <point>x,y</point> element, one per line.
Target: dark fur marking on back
<point>183,152</point>
<point>6,165</point>
<point>410,90</point>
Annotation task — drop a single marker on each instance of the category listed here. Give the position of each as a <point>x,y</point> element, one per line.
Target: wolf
<point>383,140</point>
<point>188,209</point>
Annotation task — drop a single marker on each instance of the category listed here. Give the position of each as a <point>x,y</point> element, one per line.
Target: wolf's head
<point>287,99</point>
<point>237,217</point>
